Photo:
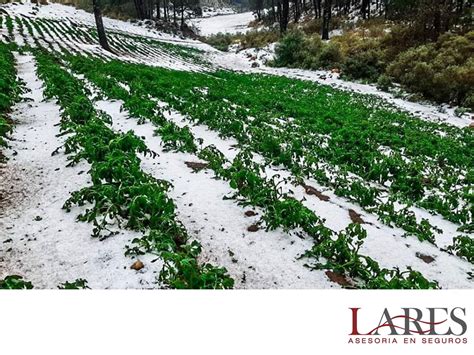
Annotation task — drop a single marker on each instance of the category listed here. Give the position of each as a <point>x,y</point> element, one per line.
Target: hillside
<point>169,164</point>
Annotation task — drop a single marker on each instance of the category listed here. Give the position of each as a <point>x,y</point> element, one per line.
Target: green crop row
<point>121,194</point>
<point>19,24</point>
<point>281,211</point>
<point>463,246</point>
<point>10,89</point>
<point>28,26</point>
<point>119,40</point>
<point>275,140</point>
<point>10,27</point>
<point>338,250</point>
<point>16,282</point>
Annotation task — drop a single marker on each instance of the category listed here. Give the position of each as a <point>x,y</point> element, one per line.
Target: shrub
<point>442,71</point>
<point>296,50</point>
<point>289,51</point>
<point>312,47</point>
<point>469,100</point>
<point>219,41</point>
<point>259,39</point>
<point>384,82</point>
<point>312,27</point>
<point>364,65</point>
<point>399,39</point>
<point>251,39</point>
<point>364,57</point>
<point>330,56</point>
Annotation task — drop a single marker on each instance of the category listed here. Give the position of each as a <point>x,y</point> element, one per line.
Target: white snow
<point>263,259</point>
<point>210,11</point>
<point>254,57</point>
<point>231,24</point>
<point>73,19</point>
<point>384,244</point>
<point>38,239</point>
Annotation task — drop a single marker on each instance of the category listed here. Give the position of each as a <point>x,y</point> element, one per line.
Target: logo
<point>409,325</point>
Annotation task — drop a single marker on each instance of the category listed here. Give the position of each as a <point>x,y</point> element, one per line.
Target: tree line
<point>166,10</point>
<point>433,16</point>
<point>430,17</point>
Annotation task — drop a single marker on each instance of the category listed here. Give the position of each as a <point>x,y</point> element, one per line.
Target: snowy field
<point>231,23</point>
<point>47,245</point>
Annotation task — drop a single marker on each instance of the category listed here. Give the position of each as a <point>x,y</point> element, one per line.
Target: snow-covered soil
<point>38,238</point>
<point>69,13</point>
<point>232,23</point>
<point>385,244</point>
<point>219,224</point>
<point>73,32</point>
<point>208,11</point>
<point>42,242</point>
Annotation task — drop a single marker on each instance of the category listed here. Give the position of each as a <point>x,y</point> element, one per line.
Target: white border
<point>207,322</point>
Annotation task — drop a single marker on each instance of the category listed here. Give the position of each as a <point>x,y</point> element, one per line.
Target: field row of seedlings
<point>142,89</point>
<point>10,89</point>
<point>336,251</point>
<point>15,282</point>
<point>121,194</point>
<point>71,36</point>
<point>38,239</point>
<point>374,155</point>
<point>152,242</point>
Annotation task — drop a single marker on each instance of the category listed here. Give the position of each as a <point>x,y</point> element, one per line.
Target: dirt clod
<point>137,265</point>
<point>427,181</point>
<point>253,228</point>
<point>355,217</point>
<point>196,166</point>
<point>310,190</point>
<point>250,213</point>
<point>337,278</point>
<point>426,258</point>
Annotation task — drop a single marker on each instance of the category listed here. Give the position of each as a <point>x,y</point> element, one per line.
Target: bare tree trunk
<point>326,19</point>
<point>365,9</point>
<point>174,12</point>
<point>139,9</point>
<point>273,11</point>
<point>437,23</point>
<point>100,25</point>
<point>279,10</point>
<point>315,6</point>
<point>285,12</point>
<point>296,11</point>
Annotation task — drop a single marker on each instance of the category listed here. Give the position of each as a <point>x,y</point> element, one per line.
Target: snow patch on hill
<point>233,23</point>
